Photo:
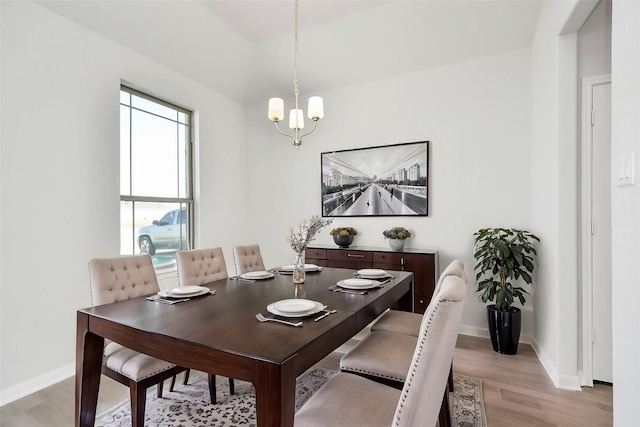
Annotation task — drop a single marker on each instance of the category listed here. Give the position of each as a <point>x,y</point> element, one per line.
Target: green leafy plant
<point>343,231</point>
<point>397,233</point>
<point>503,256</point>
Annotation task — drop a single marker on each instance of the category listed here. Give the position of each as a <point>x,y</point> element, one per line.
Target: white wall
<point>554,203</point>
<point>625,57</point>
<point>476,115</point>
<point>60,178</point>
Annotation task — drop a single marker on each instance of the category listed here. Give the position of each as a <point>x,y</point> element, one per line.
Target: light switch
<point>626,170</point>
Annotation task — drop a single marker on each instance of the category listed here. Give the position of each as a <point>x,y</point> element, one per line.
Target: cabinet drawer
<point>319,262</point>
<point>315,253</point>
<point>390,267</point>
<point>350,264</point>
<point>388,258</point>
<point>355,256</point>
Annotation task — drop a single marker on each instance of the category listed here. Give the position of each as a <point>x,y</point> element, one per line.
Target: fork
<point>261,318</point>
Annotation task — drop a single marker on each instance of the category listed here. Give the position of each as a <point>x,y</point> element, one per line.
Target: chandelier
<point>315,110</point>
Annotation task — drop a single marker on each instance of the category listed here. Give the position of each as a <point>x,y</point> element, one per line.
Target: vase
<point>298,268</point>
<point>396,244</point>
<point>504,329</point>
<point>343,240</point>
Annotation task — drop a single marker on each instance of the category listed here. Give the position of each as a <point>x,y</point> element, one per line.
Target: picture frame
<point>388,180</point>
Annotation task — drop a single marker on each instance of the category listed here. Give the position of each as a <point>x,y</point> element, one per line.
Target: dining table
<point>218,333</point>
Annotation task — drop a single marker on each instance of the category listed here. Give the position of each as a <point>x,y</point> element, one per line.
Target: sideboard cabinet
<point>422,263</point>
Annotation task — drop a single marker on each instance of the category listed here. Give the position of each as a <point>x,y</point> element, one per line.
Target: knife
<point>326,313</point>
<point>346,291</point>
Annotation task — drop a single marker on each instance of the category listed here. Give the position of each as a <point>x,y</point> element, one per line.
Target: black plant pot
<point>343,240</point>
<point>504,329</point>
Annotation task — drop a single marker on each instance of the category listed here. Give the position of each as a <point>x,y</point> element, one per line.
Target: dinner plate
<point>173,293</point>
<point>254,275</point>
<point>371,273</point>
<point>307,267</point>
<point>317,307</point>
<point>348,284</point>
<point>359,283</point>
<point>186,290</point>
<point>294,305</point>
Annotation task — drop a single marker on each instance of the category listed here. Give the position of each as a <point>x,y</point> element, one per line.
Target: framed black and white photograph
<point>389,180</point>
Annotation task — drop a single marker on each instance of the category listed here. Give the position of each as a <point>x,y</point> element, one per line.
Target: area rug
<point>467,407</point>
<point>189,405</point>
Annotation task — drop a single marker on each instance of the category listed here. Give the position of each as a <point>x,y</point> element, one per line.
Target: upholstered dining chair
<point>404,322</point>
<point>352,400</point>
<point>385,355</point>
<point>247,258</point>
<point>117,279</point>
<point>198,267</point>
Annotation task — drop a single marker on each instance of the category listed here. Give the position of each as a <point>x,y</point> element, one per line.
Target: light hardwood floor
<point>516,389</point>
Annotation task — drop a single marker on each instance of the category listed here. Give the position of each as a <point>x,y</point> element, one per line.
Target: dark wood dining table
<point>220,334</point>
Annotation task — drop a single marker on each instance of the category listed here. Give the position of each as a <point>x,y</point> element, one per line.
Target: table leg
<point>275,393</point>
<point>89,349</point>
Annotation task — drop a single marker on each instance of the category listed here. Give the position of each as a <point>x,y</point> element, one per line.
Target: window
<point>156,192</point>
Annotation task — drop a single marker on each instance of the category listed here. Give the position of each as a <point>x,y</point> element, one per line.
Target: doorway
<point>596,229</point>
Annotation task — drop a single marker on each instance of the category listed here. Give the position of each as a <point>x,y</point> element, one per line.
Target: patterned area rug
<point>467,404</point>
<point>189,405</point>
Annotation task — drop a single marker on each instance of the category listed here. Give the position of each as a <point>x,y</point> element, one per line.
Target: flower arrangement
<point>397,233</point>
<point>343,231</point>
<point>300,238</point>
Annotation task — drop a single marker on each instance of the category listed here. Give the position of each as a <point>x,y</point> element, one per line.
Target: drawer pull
<point>355,256</point>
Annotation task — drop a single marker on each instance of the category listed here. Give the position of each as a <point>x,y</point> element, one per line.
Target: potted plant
<point>396,236</point>
<point>343,236</point>
<point>503,257</point>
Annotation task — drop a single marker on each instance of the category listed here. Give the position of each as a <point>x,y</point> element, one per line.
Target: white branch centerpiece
<point>299,238</point>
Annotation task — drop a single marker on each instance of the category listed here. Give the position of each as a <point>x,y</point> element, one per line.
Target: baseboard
<point>562,381</point>
<point>475,331</point>
<point>35,384</point>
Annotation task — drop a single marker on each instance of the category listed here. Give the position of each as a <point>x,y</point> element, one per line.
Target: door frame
<point>586,268</point>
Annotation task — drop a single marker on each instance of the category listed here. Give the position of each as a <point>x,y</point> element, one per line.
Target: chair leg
<point>186,377</point>
<point>444,418</point>
<point>160,387</point>
<point>232,387</point>
<point>212,388</point>
<point>138,397</point>
<point>173,383</point>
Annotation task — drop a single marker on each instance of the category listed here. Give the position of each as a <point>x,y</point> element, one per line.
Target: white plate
<point>257,275</point>
<point>358,283</point>
<point>371,272</point>
<point>186,290</point>
<point>294,305</point>
<point>202,290</point>
<point>307,267</point>
<point>345,284</point>
<point>317,307</point>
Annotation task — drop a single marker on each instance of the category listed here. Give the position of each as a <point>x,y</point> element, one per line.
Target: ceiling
<point>244,49</point>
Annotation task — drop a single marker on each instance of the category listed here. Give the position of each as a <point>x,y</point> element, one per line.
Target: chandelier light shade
<point>315,110</point>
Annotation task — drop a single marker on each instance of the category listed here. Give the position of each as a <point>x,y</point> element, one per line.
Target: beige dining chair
<point>352,400</point>
<point>405,322</point>
<point>117,279</point>
<point>198,267</point>
<point>384,355</point>
<point>248,258</point>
